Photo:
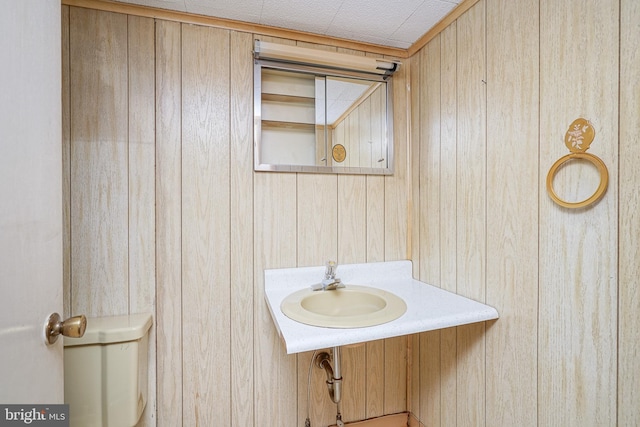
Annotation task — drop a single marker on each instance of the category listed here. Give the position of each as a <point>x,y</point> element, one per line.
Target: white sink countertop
<point>428,307</point>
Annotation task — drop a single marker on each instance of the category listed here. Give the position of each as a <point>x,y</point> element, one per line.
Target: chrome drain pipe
<point>334,377</point>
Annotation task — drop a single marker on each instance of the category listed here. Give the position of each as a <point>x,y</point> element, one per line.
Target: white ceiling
<point>395,23</point>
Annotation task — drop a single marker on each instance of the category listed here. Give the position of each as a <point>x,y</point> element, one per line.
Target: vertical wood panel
<point>395,374</point>
<point>629,251</point>
<point>471,208</point>
<point>375,196</point>
<point>375,218</point>
<point>317,212</point>
<point>396,239</point>
<point>168,223</point>
<point>578,264</point>
<point>429,223</point>
<point>275,247</point>
<point>413,341</point>
<point>205,225</point>
<point>352,219</point>
<point>374,380</point>
<point>354,371</point>
<point>429,165</point>
<point>448,214</point>
<point>396,185</point>
<point>241,175</point>
<point>512,213</point>
<point>99,169</point>
<point>470,153</point>
<point>142,257</point>
<point>141,164</point>
<point>352,238</point>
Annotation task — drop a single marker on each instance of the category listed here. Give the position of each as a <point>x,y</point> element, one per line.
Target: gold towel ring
<point>578,139</point>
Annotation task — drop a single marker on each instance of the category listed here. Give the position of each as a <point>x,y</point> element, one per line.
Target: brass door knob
<point>73,327</point>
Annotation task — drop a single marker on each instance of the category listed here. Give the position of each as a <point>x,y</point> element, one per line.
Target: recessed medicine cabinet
<point>322,112</point>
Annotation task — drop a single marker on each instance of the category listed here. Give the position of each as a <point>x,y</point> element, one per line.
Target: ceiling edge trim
<point>190,18</point>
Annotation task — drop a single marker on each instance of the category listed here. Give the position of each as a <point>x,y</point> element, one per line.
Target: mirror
<point>307,120</point>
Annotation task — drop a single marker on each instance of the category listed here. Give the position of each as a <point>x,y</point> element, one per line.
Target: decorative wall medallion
<point>339,153</point>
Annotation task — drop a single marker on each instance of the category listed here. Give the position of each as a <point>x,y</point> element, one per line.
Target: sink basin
<point>353,306</point>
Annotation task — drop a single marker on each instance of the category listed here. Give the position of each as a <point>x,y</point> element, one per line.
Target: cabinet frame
<point>261,124</point>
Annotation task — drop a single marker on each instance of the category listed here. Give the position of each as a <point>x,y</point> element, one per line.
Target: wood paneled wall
<point>492,97</point>
<point>164,214</point>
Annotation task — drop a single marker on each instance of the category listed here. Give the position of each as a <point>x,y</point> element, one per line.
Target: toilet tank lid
<point>113,329</point>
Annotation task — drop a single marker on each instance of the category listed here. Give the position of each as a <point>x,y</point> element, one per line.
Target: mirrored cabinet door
<point>308,121</point>
<point>357,127</point>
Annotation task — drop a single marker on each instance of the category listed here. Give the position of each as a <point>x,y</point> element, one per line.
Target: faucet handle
<point>330,272</point>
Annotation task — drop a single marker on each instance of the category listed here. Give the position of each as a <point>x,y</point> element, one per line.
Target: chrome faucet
<point>330,281</point>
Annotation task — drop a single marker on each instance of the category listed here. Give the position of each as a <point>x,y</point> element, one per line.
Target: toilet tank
<point>106,371</point>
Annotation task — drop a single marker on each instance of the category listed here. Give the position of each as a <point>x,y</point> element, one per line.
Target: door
<point>31,372</point>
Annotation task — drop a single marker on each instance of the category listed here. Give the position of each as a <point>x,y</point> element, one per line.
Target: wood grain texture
<point>354,372</point>
<point>396,240</point>
<point>512,212</point>
<point>317,217</point>
<point>275,247</point>
<point>533,248</point>
<point>142,227</point>
<point>470,150</point>
<point>395,374</point>
<point>374,380</point>
<point>141,135</point>
<point>448,215</point>
<point>413,341</point>
<point>396,185</point>
<point>578,250</point>
<point>242,276</point>
<point>629,249</point>
<point>374,350</point>
<point>427,220</point>
<point>99,163</point>
<point>375,218</point>
<point>168,223</point>
<point>471,208</point>
<point>200,228</point>
<point>429,88</point>
<point>550,272</point>
<point>205,225</point>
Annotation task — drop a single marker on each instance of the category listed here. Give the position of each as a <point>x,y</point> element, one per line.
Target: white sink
<point>350,307</point>
<point>308,320</point>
